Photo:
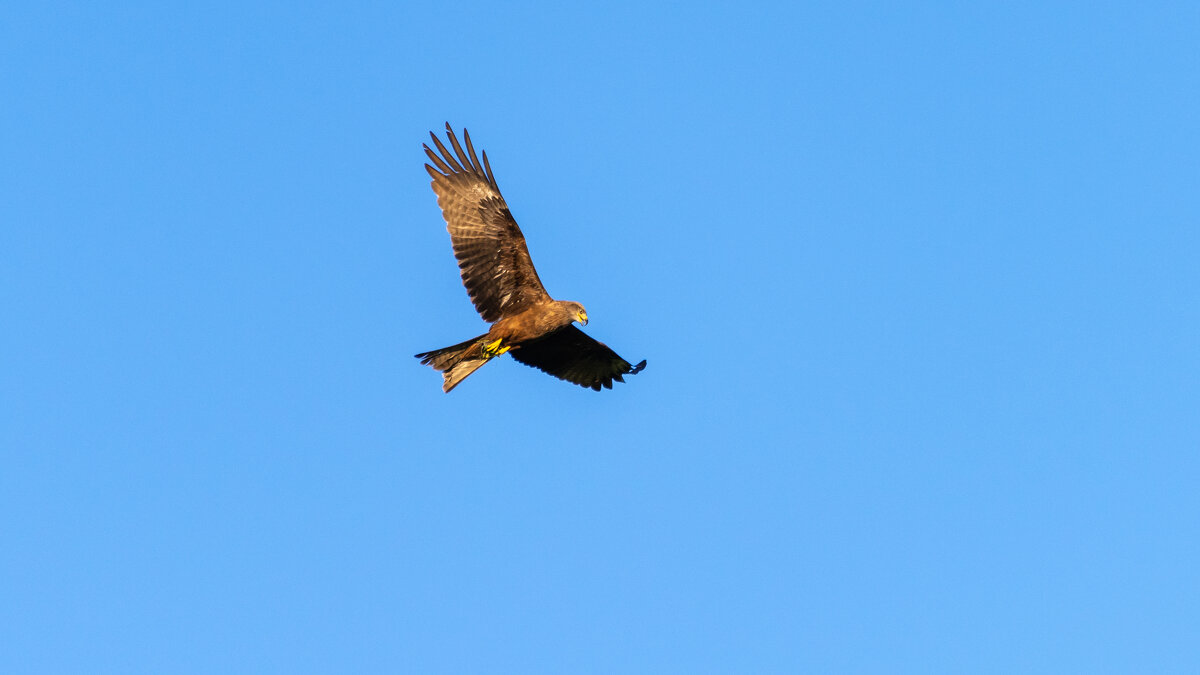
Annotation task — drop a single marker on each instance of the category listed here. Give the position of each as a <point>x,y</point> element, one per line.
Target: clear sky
<point>918,287</point>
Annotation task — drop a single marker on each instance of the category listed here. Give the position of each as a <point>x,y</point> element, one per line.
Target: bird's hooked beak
<point>581,317</point>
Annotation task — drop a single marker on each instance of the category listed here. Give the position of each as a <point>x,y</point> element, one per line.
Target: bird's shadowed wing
<point>490,248</point>
<point>569,354</point>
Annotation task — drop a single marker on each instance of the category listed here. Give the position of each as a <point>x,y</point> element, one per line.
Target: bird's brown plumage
<point>490,248</point>
<point>569,354</point>
<point>503,284</point>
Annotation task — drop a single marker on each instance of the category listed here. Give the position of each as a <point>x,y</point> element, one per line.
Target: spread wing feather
<point>570,354</point>
<point>491,251</point>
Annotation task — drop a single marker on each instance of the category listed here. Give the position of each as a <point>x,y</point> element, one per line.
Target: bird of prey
<point>527,323</point>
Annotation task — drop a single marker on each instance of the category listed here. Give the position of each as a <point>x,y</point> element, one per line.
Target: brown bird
<point>527,323</point>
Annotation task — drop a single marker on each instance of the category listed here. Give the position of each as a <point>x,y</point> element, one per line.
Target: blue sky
<point>918,288</point>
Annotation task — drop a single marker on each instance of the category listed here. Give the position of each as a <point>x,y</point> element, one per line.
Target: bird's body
<point>504,286</point>
<point>535,321</point>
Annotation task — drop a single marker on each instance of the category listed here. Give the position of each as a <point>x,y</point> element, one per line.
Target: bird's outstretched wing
<point>490,248</point>
<point>569,354</point>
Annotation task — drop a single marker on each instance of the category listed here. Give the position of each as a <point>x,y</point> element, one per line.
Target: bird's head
<point>578,313</point>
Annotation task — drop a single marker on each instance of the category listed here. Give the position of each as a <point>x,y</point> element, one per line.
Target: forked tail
<point>457,362</point>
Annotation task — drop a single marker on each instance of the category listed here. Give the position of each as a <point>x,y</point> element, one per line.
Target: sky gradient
<point>918,289</point>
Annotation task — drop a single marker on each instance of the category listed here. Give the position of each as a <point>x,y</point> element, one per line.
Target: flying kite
<point>527,323</point>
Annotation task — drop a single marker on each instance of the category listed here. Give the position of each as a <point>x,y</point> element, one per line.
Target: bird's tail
<point>457,362</point>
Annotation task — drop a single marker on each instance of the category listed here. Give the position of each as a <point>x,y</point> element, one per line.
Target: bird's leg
<point>493,349</point>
